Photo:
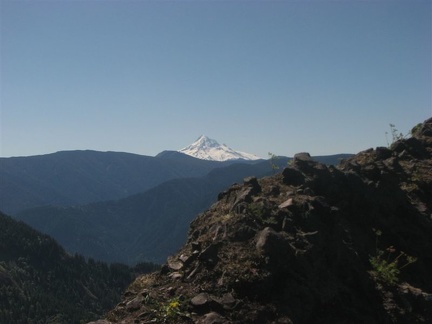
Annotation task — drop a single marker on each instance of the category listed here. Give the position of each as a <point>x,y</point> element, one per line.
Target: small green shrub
<point>166,311</point>
<point>386,264</point>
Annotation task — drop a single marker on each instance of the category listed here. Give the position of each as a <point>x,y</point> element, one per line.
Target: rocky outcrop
<point>300,246</point>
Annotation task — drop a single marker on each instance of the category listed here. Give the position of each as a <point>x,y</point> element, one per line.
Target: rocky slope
<point>314,244</point>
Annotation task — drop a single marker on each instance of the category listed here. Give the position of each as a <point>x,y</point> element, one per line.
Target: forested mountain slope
<point>41,283</point>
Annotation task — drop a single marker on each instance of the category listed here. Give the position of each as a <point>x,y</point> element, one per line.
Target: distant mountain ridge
<point>147,226</point>
<point>78,177</point>
<point>206,148</point>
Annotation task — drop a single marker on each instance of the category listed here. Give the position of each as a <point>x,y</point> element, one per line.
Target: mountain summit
<point>205,148</point>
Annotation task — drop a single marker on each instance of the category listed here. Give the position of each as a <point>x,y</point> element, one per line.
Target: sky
<point>323,77</point>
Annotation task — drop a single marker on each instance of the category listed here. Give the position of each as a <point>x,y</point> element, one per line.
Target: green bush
<point>386,264</point>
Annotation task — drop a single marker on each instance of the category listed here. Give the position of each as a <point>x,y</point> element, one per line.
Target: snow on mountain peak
<point>205,142</point>
<point>205,148</point>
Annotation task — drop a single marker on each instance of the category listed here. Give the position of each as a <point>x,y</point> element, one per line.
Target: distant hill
<point>41,283</point>
<point>144,227</point>
<point>69,178</point>
<point>79,177</point>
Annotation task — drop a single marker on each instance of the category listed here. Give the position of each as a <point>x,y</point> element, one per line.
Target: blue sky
<point>145,76</point>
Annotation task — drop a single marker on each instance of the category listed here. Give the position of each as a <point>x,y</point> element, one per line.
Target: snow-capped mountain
<point>205,148</point>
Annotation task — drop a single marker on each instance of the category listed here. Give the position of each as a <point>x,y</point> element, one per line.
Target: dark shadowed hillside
<point>147,226</point>
<point>143,227</point>
<point>40,283</point>
<point>314,244</point>
<point>79,177</point>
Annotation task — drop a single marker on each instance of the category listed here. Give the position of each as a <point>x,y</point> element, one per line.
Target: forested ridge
<point>41,283</point>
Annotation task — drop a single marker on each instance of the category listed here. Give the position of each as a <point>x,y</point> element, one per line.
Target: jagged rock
<point>184,258</point>
<point>176,275</point>
<point>174,264</point>
<point>212,318</point>
<point>293,177</point>
<point>267,240</point>
<point>244,196</point>
<point>210,253</point>
<point>275,246</point>
<point>383,153</point>
<point>287,203</point>
<point>134,304</point>
<point>297,247</point>
<point>239,196</point>
<point>424,129</point>
<point>303,156</point>
<point>228,301</point>
<point>253,182</point>
<point>274,191</point>
<point>244,233</point>
<point>200,299</point>
<point>227,193</point>
<point>192,273</point>
<point>219,232</point>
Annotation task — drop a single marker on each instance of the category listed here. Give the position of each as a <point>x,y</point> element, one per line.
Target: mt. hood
<point>205,148</point>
